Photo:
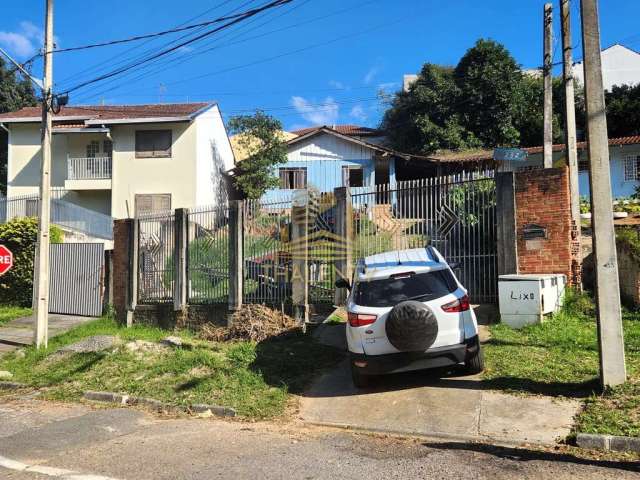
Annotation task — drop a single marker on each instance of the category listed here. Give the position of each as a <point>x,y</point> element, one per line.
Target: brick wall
<point>543,199</point>
<point>121,266</point>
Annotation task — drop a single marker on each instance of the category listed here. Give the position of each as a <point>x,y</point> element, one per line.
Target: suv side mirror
<point>455,265</point>
<point>343,283</point>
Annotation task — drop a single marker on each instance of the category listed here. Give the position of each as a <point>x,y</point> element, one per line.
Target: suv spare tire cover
<point>411,326</point>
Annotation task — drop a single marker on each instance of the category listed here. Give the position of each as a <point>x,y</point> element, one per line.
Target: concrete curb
<point>608,442</point>
<point>12,385</point>
<point>432,436</point>
<point>198,409</point>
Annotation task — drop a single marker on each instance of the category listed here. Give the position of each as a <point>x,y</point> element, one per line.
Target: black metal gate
<point>455,214</point>
<point>76,278</point>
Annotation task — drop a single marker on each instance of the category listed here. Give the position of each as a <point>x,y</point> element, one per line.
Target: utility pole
<point>41,266</point>
<point>548,85</point>
<point>571,140</point>
<point>610,335</point>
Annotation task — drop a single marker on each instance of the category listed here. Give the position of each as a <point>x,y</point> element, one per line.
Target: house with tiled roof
<point>330,156</point>
<point>123,160</point>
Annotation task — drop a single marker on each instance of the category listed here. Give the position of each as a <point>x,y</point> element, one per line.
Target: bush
<point>20,236</point>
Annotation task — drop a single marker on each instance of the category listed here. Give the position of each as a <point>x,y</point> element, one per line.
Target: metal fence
<point>63,213</point>
<point>208,255</point>
<point>156,269</point>
<point>267,261</point>
<point>456,214</point>
<point>88,168</point>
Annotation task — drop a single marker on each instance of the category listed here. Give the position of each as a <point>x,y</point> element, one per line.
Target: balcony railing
<point>88,168</point>
<point>63,213</point>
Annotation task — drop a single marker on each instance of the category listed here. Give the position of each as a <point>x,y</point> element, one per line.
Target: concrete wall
<point>175,175</point>
<point>214,153</point>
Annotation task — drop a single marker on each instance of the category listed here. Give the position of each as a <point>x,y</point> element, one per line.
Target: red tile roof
<point>113,112</point>
<point>351,130</point>
<point>484,155</point>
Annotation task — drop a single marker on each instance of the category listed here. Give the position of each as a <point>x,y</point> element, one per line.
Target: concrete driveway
<point>439,404</point>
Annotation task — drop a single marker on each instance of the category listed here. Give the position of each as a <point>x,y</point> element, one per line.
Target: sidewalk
<point>19,332</point>
<point>435,404</point>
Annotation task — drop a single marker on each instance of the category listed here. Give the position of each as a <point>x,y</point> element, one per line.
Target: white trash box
<point>525,299</point>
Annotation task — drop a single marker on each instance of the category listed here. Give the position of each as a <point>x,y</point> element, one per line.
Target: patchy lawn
<point>254,378</point>
<point>10,312</point>
<point>560,357</point>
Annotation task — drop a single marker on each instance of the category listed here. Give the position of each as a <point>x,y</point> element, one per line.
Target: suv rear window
<point>391,291</point>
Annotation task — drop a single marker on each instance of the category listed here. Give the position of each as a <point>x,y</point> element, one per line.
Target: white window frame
<point>631,168</point>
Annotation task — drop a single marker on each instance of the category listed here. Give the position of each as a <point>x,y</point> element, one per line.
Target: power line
<point>153,35</point>
<point>109,61</point>
<point>271,58</point>
<point>161,66</point>
<point>247,14</point>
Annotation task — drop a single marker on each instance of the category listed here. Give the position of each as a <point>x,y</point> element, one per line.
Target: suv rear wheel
<point>475,364</point>
<point>360,380</point>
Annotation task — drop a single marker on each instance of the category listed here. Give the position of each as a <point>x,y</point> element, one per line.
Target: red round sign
<point>6,259</point>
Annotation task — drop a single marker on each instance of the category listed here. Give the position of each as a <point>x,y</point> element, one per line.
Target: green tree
<point>260,137</point>
<point>623,110</point>
<point>425,119</point>
<point>489,81</point>
<point>15,93</point>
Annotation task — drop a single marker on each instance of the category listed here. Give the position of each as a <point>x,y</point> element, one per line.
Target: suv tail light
<point>459,305</point>
<point>361,319</point>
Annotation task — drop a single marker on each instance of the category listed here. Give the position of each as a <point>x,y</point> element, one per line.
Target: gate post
<point>181,240</point>
<point>344,229</point>
<point>507,241</point>
<point>134,267</point>
<point>300,262</point>
<point>236,261</point>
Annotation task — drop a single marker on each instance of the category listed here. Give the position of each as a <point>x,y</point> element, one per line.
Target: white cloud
<point>25,41</point>
<point>337,84</point>
<point>358,113</point>
<point>321,113</point>
<point>371,74</point>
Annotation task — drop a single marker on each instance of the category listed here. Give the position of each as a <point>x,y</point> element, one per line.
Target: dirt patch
<point>251,322</point>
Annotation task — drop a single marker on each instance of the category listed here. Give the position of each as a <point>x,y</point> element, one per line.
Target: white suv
<point>408,311</point>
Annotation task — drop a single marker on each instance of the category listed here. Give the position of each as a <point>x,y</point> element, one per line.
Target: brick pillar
<point>121,267</point>
<point>544,227</point>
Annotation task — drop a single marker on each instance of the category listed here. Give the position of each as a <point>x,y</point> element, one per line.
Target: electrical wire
<point>247,14</point>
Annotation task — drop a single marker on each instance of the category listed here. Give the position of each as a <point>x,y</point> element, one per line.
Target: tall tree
<point>260,138</point>
<point>489,80</point>
<point>425,119</point>
<point>623,110</point>
<point>15,93</point>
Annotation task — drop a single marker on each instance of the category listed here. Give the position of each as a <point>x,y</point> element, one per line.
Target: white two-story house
<point>123,160</point>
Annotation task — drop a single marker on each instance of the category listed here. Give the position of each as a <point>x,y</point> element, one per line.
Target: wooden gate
<point>76,278</point>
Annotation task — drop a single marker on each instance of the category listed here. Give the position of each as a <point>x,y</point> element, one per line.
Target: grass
<point>10,312</point>
<point>254,378</point>
<point>560,357</point>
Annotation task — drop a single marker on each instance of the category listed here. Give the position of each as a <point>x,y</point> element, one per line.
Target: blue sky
<point>309,62</point>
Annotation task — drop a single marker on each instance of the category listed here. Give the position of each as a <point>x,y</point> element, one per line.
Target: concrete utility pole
<point>571,140</point>
<point>610,335</point>
<point>548,85</point>
<point>41,266</point>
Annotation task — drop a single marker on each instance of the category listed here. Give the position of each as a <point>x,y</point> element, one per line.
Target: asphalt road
<point>40,440</point>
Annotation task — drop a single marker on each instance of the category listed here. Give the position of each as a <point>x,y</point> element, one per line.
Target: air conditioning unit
<point>526,299</point>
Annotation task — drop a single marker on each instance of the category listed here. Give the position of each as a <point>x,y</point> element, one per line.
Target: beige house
<point>123,160</point>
